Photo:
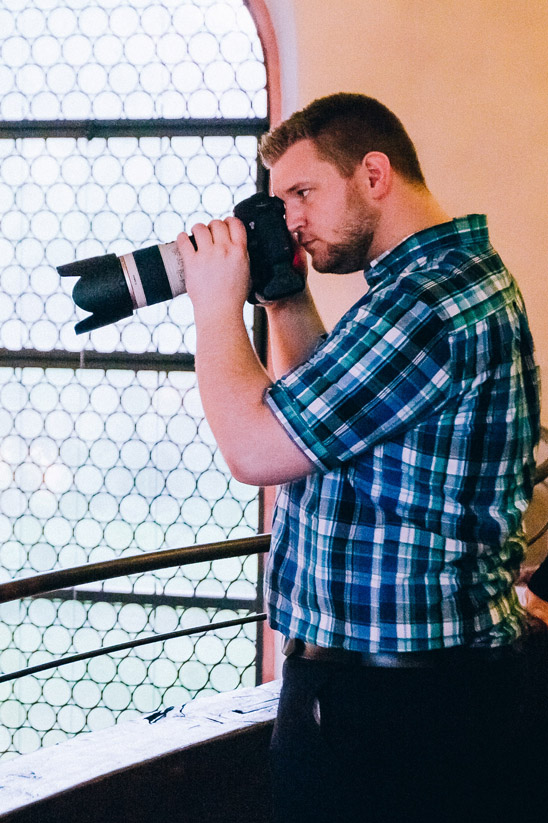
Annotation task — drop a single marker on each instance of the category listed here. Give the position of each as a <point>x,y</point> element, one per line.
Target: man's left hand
<point>217,273</point>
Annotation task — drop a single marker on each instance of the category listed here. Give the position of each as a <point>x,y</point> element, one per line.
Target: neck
<point>410,209</point>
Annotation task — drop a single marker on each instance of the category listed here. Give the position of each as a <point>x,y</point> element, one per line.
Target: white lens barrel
<point>153,274</point>
<point>173,264</point>
<point>133,281</point>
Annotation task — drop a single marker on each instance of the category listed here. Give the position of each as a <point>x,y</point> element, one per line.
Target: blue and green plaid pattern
<point>420,411</point>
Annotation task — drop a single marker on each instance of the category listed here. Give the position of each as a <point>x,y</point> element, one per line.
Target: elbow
<point>266,471</point>
<point>244,470</point>
<point>254,468</point>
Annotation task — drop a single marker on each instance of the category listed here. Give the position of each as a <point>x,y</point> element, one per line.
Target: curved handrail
<point>150,561</point>
<point>131,644</point>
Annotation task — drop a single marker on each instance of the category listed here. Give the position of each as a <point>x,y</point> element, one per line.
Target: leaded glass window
<point>121,124</point>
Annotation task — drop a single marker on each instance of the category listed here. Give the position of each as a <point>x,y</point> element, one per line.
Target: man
<point>403,441</point>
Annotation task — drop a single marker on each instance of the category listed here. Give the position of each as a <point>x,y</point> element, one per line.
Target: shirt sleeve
<point>382,370</point>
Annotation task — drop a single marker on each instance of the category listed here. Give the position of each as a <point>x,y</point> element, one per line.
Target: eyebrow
<point>297,186</point>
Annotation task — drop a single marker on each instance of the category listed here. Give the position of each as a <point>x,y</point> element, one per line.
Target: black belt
<point>437,658</point>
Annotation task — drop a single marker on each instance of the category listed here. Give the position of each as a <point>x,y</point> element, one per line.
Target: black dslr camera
<point>111,287</point>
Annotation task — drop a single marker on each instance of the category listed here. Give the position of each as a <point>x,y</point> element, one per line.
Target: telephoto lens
<point>112,287</point>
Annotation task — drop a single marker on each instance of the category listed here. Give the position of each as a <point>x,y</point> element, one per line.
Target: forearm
<point>232,385</point>
<point>231,379</point>
<point>294,328</point>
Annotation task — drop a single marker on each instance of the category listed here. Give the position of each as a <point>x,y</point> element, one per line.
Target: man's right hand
<point>536,606</point>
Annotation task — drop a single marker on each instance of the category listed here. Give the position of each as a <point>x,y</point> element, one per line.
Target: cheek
<point>326,220</point>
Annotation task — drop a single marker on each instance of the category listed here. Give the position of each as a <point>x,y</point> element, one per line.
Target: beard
<point>348,255</point>
<point>351,252</point>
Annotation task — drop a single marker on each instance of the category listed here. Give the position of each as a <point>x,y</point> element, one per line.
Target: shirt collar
<point>462,231</point>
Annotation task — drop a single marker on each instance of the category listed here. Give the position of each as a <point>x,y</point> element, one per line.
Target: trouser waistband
<point>454,656</point>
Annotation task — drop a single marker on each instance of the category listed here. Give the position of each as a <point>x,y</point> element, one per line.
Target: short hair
<point>344,128</point>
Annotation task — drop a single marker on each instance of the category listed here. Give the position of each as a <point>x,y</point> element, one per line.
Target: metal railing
<point>50,582</point>
<point>152,561</point>
<point>74,583</point>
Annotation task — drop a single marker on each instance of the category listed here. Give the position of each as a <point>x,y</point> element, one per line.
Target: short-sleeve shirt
<point>420,412</point>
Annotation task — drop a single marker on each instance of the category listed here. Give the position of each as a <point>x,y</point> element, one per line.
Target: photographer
<point>403,441</point>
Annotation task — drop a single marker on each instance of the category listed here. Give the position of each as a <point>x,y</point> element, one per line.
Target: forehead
<point>300,164</point>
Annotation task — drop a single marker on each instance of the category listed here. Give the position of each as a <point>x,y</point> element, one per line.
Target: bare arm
<point>536,597</point>
<point>535,606</point>
<point>231,379</point>
<point>294,327</point>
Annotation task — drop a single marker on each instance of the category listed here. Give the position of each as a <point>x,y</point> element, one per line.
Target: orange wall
<point>469,79</point>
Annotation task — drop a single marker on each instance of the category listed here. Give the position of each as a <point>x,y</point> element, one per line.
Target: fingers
<point>226,231</point>
<point>204,234</point>
<point>229,232</point>
<point>237,230</point>
<point>184,244</point>
<point>218,231</point>
<point>535,606</point>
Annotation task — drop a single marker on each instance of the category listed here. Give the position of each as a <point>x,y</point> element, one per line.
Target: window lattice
<point>102,461</point>
<point>65,199</point>
<point>96,463</point>
<point>44,709</point>
<point>108,60</point>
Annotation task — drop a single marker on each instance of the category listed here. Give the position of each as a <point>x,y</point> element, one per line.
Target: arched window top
<point>113,59</point>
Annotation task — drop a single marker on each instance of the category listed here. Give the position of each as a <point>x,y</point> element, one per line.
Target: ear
<point>376,173</point>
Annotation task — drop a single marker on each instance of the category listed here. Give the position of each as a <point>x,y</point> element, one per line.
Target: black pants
<point>379,745</point>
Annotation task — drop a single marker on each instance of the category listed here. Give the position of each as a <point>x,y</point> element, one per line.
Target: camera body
<point>112,287</point>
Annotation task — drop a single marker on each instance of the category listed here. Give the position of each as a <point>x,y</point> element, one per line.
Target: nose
<point>294,217</point>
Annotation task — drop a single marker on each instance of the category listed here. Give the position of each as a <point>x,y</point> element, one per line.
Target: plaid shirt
<point>420,411</point>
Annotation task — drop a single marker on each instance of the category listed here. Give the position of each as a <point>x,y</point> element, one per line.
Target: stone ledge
<point>186,763</point>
